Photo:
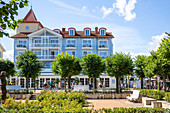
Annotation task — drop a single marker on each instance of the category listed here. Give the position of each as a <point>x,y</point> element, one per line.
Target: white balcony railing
<point>46,57</point>
<point>45,45</point>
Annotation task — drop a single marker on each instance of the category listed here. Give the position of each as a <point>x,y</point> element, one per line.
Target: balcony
<point>21,46</point>
<point>46,57</point>
<point>53,45</point>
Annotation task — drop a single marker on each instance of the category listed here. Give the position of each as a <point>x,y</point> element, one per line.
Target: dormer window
<point>102,32</point>
<point>71,32</point>
<point>87,32</point>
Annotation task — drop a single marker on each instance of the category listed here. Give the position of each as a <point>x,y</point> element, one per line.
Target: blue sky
<point>138,25</point>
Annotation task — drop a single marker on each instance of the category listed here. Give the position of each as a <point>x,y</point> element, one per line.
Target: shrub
<point>167,96</point>
<point>152,93</point>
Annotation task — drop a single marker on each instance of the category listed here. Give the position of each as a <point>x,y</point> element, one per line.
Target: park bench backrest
<point>136,93</point>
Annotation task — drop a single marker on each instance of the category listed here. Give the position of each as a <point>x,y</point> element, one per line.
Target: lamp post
<point>3,85</point>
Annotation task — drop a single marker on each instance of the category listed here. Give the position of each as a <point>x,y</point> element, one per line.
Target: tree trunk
<point>69,82</point>
<point>141,82</point>
<point>117,85</point>
<point>3,88</point>
<point>164,82</point>
<point>27,83</point>
<point>150,83</point>
<point>65,83</point>
<point>94,83</point>
<point>34,84</point>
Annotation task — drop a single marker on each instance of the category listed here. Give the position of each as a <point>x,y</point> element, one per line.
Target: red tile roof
<point>30,17</point>
<point>80,34</point>
<point>21,35</point>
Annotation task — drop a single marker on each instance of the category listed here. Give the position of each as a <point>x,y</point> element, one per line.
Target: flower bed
<point>52,102</point>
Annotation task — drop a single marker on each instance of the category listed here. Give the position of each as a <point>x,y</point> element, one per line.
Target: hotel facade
<point>47,43</point>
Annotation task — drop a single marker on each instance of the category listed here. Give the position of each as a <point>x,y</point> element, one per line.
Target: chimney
<point>96,29</point>
<point>63,29</point>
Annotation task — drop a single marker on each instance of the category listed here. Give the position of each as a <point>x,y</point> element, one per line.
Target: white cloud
<point>9,55</point>
<point>107,11</point>
<point>93,10</point>
<point>84,8</point>
<point>73,10</point>
<point>123,8</point>
<point>156,40</point>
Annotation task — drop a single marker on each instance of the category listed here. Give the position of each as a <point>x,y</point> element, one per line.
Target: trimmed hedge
<point>159,95</point>
<point>167,96</point>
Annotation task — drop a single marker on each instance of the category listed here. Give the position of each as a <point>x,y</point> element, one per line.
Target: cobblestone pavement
<point>111,103</point>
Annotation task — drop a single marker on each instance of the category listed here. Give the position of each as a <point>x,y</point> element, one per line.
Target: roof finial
<point>31,5</point>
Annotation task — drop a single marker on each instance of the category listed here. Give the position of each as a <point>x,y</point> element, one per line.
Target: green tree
<point>28,65</point>
<point>93,66</point>
<point>140,63</point>
<point>8,66</point>
<point>163,59</point>
<point>8,11</point>
<point>64,66</point>
<point>77,80</point>
<point>149,69</point>
<point>119,65</point>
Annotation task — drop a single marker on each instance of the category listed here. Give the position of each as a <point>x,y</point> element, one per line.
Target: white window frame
<point>73,32</point>
<point>104,32</point>
<point>22,40</point>
<point>54,39</point>
<point>37,39</point>
<point>67,43</point>
<point>38,51</point>
<point>72,51</point>
<point>85,32</point>
<point>103,51</point>
<point>106,44</point>
<point>91,43</point>
<point>85,51</point>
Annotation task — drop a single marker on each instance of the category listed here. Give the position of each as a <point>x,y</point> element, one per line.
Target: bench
<point>81,87</point>
<point>134,96</point>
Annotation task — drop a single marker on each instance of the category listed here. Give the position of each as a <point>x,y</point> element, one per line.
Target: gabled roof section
<point>30,17</point>
<point>44,30</point>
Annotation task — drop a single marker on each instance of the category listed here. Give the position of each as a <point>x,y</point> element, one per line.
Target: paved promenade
<point>111,103</point>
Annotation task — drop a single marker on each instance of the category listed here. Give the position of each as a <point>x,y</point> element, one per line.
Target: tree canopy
<point>140,63</point>
<point>93,66</point>
<point>66,66</point>
<point>28,65</point>
<point>8,66</point>
<point>118,65</point>
<point>8,11</point>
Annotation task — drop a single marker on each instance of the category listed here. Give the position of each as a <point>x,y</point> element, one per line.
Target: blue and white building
<point>47,43</point>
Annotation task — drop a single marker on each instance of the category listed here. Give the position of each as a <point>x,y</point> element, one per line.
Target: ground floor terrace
<point>105,80</point>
